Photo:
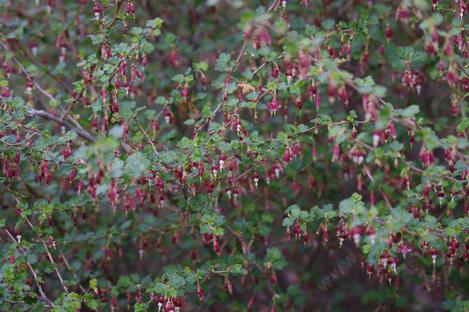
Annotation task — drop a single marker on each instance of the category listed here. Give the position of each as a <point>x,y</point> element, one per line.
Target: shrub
<point>246,155</point>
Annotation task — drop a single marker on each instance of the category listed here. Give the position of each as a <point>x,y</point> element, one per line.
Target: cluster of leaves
<point>162,162</point>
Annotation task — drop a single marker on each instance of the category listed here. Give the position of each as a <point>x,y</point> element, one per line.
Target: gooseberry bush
<point>243,155</point>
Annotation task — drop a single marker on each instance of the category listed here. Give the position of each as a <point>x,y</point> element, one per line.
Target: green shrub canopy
<point>240,155</point>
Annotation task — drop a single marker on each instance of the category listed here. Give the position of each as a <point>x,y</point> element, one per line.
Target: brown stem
<point>372,179</point>
<point>43,296</point>
<point>75,127</point>
<point>51,260</point>
<point>116,13</point>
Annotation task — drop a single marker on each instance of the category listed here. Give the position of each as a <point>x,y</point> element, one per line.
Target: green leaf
<point>179,78</point>
<point>328,24</point>
<point>189,122</point>
<point>136,165</point>
<point>94,284</point>
<point>274,259</point>
<point>117,131</point>
<point>156,22</point>
<point>223,62</point>
<point>409,112</point>
<point>202,66</point>
<point>141,307</point>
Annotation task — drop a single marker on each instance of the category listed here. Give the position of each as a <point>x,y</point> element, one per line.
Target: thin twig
<point>77,127</point>
<point>51,260</point>
<point>28,75</point>
<point>116,13</point>
<point>264,64</point>
<point>36,278</point>
<point>273,5</point>
<point>408,163</point>
<point>67,265</point>
<point>33,112</point>
<point>241,52</point>
<point>372,179</point>
<point>43,68</point>
<point>148,137</point>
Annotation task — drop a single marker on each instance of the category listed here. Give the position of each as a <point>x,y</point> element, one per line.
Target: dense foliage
<point>242,155</point>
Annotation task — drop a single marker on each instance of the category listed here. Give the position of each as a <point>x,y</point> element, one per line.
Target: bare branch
<point>75,127</point>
